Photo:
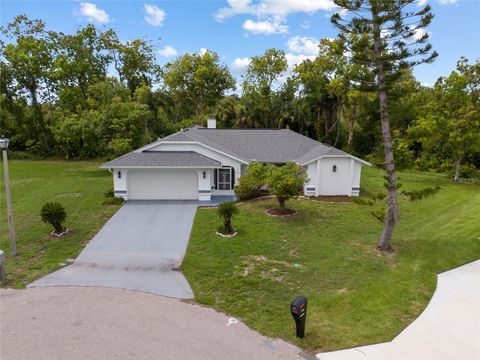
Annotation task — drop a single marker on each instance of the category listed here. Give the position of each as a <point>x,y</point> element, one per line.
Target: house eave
<point>157,167</point>
<point>338,156</point>
<point>148,147</point>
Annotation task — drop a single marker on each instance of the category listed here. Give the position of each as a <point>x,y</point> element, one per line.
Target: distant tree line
<point>91,95</point>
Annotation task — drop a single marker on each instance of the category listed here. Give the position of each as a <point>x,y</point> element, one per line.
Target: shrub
<point>110,198</point>
<point>54,213</point>
<point>110,193</point>
<point>226,211</point>
<point>253,179</point>
<point>421,194</point>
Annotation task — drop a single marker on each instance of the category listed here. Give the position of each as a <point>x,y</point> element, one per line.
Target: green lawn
<point>79,186</point>
<point>327,253</point>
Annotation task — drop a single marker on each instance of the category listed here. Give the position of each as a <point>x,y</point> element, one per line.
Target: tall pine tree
<point>385,37</point>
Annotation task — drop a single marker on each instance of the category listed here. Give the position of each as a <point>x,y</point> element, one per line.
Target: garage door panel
<point>162,185</point>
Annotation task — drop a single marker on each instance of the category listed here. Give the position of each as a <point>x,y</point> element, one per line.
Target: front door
<point>225,179</point>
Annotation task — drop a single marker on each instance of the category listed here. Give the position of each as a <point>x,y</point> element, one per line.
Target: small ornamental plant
<point>54,213</point>
<point>285,182</point>
<point>225,212</point>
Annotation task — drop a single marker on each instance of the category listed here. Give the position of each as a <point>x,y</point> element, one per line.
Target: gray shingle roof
<point>264,145</point>
<point>162,159</point>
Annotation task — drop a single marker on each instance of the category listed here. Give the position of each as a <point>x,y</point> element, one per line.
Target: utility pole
<point>11,232</point>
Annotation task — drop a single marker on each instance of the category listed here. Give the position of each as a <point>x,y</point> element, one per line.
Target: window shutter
<point>233,178</point>
<point>215,179</point>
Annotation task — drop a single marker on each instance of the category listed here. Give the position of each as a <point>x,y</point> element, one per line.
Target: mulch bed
<point>281,212</point>
<point>331,198</point>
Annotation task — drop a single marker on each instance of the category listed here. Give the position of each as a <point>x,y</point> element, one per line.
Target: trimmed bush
<point>54,213</point>
<point>225,212</point>
<point>251,182</point>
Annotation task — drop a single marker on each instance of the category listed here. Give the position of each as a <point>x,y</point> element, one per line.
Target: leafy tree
<point>80,61</point>
<point>262,73</point>
<point>27,61</point>
<point>134,61</point>
<point>197,80</point>
<point>449,128</point>
<point>54,213</point>
<point>286,181</point>
<point>385,36</point>
<point>324,87</point>
<point>226,112</point>
<point>226,211</point>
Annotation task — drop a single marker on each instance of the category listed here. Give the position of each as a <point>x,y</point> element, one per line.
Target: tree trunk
<point>391,216</point>
<point>281,201</point>
<point>458,163</point>
<point>351,124</point>
<point>227,226</point>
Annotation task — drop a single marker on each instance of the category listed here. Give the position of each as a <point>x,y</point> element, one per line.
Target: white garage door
<point>162,185</point>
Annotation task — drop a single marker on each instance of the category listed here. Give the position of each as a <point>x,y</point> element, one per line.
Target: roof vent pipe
<point>211,123</point>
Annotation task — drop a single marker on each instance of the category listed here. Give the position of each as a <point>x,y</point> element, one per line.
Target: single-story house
<point>197,163</point>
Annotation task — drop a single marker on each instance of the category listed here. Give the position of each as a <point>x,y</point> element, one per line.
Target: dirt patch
<point>331,198</point>
<point>69,195</point>
<point>342,290</point>
<point>274,271</point>
<point>281,212</point>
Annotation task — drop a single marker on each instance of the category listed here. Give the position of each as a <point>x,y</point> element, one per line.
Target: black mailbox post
<point>299,313</point>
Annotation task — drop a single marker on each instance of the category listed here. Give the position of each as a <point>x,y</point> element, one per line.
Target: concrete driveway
<point>140,248</point>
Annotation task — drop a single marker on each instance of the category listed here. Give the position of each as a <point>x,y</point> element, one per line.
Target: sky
<point>240,29</point>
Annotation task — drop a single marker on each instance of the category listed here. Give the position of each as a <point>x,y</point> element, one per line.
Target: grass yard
<point>356,295</point>
<point>79,186</point>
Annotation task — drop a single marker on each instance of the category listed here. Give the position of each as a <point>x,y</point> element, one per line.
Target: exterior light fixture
<point>334,168</point>
<point>204,174</point>
<point>4,142</point>
<point>119,174</point>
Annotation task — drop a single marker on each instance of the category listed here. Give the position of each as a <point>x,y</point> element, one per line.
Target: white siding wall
<point>310,187</point>
<point>204,185</point>
<point>334,183</point>
<point>120,185</point>
<point>357,173</point>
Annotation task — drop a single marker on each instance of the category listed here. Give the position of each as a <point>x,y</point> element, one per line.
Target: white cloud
<point>240,65</point>
<point>419,33</point>
<point>168,51</point>
<point>203,51</point>
<point>154,16</point>
<point>305,25</point>
<point>93,13</point>
<point>295,59</point>
<point>266,8</point>
<point>447,2</point>
<point>421,2</point>
<point>303,44</point>
<point>265,27</point>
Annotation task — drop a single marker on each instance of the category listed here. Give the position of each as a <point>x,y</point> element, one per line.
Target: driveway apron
<point>140,248</point>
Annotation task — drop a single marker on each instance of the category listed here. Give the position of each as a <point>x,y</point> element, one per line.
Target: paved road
<point>101,324</point>
<point>449,328</point>
<point>140,248</point>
